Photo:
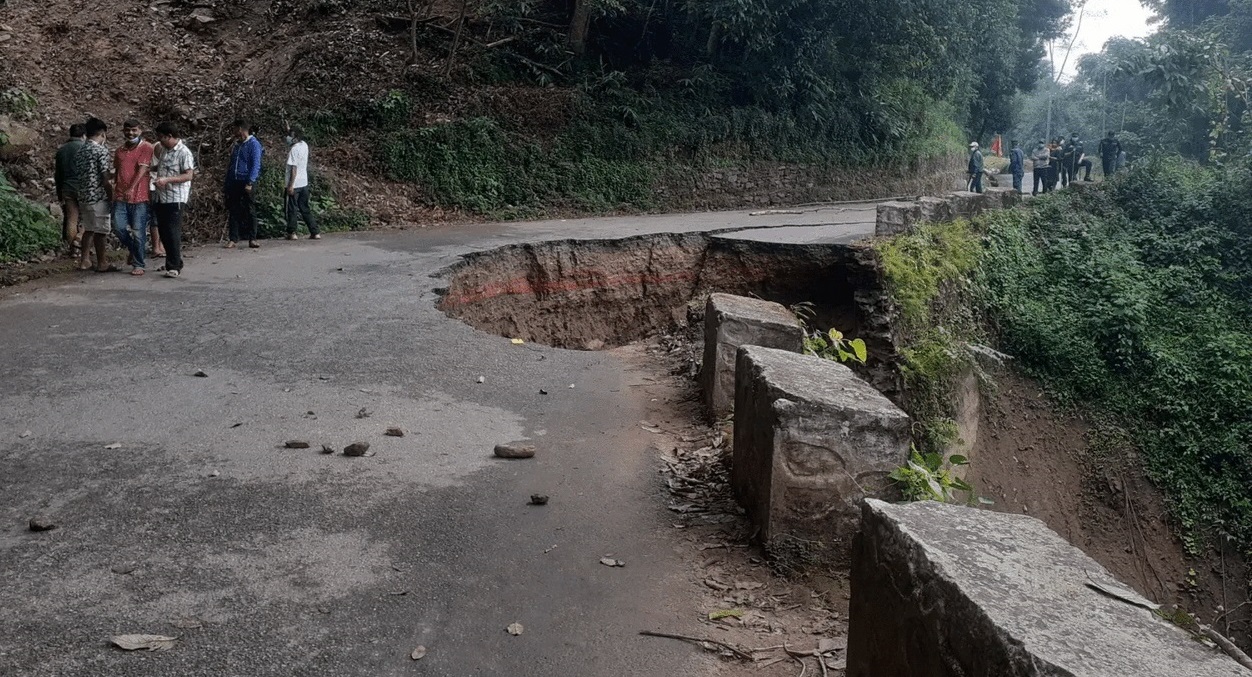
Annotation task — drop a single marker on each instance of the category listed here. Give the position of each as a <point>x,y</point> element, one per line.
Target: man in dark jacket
<point>1110,148</point>
<point>1017,166</point>
<point>241,176</point>
<point>67,185</point>
<point>975,167</point>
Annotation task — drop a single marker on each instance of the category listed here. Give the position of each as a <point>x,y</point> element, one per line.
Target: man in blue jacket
<point>241,177</point>
<point>1017,165</point>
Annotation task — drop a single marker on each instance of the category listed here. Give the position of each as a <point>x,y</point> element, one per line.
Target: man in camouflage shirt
<point>95,191</point>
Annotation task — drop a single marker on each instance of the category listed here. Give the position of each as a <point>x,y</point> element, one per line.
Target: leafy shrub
<point>474,164</point>
<point>927,477</point>
<point>26,230</point>
<point>1133,300</point>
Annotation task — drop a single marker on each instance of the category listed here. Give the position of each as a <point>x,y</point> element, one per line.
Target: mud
<point>594,294</point>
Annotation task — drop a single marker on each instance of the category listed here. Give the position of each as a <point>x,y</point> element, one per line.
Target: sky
<point>1106,19</point>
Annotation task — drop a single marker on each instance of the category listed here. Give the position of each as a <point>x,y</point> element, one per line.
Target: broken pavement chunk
<point>394,432</point>
<point>515,450</point>
<point>296,444</point>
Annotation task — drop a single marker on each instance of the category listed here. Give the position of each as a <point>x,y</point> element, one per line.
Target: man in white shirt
<point>298,185</point>
<point>174,168</point>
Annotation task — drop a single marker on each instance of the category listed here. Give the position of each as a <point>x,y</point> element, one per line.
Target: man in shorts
<point>131,164</point>
<point>67,186</point>
<point>95,190</point>
<point>175,169</point>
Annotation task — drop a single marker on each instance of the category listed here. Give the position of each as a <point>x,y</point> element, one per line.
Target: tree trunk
<point>715,38</point>
<point>579,27</point>
<point>456,40</point>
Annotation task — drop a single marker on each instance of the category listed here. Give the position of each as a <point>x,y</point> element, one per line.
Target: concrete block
<point>966,205</point>
<point>897,217</point>
<point>733,321</point>
<point>936,209</point>
<point>947,590</point>
<point>997,198</point>
<point>811,441</point>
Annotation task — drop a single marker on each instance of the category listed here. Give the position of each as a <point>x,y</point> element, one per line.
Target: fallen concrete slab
<point>734,321</point>
<point>947,590</point>
<point>811,440</point>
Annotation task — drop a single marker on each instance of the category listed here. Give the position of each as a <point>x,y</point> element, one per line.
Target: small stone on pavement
<point>538,499</point>
<point>394,432</point>
<point>356,449</point>
<point>515,450</point>
<point>42,523</point>
<point>296,444</point>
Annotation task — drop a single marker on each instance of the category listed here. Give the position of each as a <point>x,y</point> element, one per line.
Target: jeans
<point>298,205</point>
<point>169,217</point>
<point>1041,181</point>
<point>242,211</point>
<point>1017,181</point>
<point>1110,165</point>
<point>130,224</point>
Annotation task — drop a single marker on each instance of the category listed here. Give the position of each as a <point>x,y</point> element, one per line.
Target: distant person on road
<point>95,192</point>
<point>241,176</point>
<point>132,162</point>
<point>67,186</point>
<point>1081,161</point>
<point>1067,159</point>
<point>1110,149</point>
<point>1040,158</point>
<point>1017,166</point>
<point>975,167</point>
<point>297,197</point>
<point>174,171</point>
<point>1054,164</point>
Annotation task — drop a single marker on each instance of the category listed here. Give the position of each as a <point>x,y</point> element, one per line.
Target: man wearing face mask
<point>297,199</point>
<point>131,164</point>
<point>241,175</point>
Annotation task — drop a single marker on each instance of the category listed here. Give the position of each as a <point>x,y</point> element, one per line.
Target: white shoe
<point>171,273</point>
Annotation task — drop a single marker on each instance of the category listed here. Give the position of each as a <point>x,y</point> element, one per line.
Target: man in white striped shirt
<point>174,168</point>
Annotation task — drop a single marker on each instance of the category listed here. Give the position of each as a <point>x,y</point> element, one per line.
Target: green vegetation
<point>26,230</point>
<point>271,205</point>
<point>928,477</point>
<point>475,164</point>
<point>927,273</point>
<point>1135,301</point>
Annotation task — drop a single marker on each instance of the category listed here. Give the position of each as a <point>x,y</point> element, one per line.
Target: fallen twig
<point>740,653</point>
<point>1227,646</point>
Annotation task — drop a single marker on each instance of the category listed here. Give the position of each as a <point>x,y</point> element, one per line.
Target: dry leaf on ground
<point>144,642</point>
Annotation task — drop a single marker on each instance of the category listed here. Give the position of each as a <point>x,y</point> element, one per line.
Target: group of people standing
<point>143,187</point>
<point>1061,161</point>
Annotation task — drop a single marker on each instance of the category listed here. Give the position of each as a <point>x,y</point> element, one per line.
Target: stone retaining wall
<point>902,216</point>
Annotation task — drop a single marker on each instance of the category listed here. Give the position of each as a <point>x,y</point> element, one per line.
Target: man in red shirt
<point>131,164</point>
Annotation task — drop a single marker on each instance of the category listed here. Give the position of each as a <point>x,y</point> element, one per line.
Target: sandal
<point>229,245</point>
<point>110,269</point>
<point>137,272</point>
<point>253,244</point>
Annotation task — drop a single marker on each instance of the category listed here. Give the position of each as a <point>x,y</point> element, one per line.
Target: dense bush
<point>330,216</point>
<point>476,165</point>
<point>1135,300</point>
<point>26,229</point>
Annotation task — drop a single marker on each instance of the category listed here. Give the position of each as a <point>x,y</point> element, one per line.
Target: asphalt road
<point>292,562</point>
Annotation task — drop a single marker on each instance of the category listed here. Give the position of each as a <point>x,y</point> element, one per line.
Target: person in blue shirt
<point>242,174</point>
<point>1017,166</point>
